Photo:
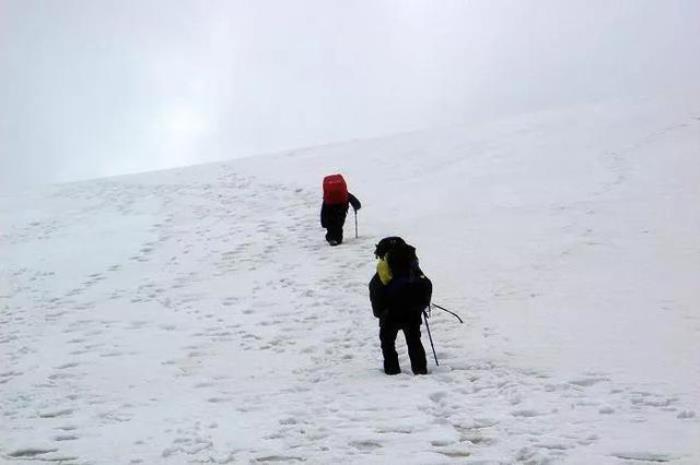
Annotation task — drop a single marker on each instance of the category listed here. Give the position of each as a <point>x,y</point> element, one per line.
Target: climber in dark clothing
<point>333,218</point>
<point>399,292</point>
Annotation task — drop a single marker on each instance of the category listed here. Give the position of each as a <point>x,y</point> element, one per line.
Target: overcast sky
<point>98,87</point>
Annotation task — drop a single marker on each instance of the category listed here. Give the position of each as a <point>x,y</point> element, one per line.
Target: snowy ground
<point>197,316</point>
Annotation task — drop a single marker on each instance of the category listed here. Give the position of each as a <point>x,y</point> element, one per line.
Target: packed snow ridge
<point>198,316</point>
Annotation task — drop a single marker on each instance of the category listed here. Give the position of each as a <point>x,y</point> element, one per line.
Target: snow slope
<point>197,315</point>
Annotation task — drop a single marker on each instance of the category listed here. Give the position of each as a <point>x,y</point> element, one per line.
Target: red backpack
<point>335,191</point>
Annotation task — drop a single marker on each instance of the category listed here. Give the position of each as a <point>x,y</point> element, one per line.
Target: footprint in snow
<point>365,445</point>
<point>30,452</point>
<point>526,413</point>
<point>644,456</point>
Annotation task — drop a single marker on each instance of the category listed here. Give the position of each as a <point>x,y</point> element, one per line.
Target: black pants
<point>334,232</point>
<point>387,336</point>
<point>333,219</point>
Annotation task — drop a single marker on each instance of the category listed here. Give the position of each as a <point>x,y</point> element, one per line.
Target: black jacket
<point>402,300</point>
<point>334,215</point>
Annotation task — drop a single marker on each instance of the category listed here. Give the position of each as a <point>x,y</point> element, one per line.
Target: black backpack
<point>409,291</point>
<point>403,262</point>
<point>386,244</point>
<point>399,256</point>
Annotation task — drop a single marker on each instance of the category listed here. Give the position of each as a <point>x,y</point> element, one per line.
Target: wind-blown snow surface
<point>197,315</point>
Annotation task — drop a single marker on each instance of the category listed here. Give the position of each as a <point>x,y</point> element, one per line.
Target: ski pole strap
<point>448,311</point>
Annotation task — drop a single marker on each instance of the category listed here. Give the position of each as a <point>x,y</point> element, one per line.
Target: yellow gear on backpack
<point>384,271</point>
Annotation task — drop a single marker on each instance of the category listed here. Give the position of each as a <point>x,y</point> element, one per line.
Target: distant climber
<point>399,293</point>
<point>336,201</point>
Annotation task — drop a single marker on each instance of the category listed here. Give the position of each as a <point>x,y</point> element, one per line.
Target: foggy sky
<point>94,87</point>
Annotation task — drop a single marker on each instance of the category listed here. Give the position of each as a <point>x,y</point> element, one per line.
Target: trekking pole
<point>427,326</point>
<point>448,311</point>
<point>355,224</point>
